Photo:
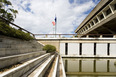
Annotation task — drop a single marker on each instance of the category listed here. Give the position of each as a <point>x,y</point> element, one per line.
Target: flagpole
<point>55,30</point>
<point>55,24</point>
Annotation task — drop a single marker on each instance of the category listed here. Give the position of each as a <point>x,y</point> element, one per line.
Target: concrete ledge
<point>20,70</point>
<point>10,60</point>
<point>87,56</point>
<point>40,71</point>
<point>92,74</point>
<point>62,71</point>
<point>53,71</point>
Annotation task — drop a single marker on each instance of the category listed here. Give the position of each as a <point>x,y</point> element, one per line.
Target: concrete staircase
<point>19,58</point>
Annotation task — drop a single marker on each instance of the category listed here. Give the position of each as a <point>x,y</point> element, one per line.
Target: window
<point>86,27</point>
<point>101,16</point>
<point>108,12</point>
<point>83,29</point>
<point>114,6</point>
<point>80,49</point>
<point>96,20</point>
<point>92,23</point>
<point>66,48</point>
<point>89,25</point>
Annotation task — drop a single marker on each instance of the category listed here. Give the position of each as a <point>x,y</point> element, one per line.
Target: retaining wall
<point>12,46</point>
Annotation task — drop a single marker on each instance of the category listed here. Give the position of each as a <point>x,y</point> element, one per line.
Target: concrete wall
<point>14,50</point>
<point>12,46</point>
<point>56,43</point>
<point>88,48</point>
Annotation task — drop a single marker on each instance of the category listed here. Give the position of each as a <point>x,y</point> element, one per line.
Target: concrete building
<point>101,20</point>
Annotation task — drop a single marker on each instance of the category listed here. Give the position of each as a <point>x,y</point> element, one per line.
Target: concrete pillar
<point>88,27</point>
<point>103,14</point>
<point>90,24</point>
<point>111,9</point>
<point>94,22</point>
<point>85,29</point>
<point>82,30</point>
<point>98,18</point>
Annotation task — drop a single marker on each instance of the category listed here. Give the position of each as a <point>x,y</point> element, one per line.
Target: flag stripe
<point>53,23</point>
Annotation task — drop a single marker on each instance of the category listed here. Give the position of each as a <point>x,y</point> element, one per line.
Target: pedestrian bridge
<point>101,20</point>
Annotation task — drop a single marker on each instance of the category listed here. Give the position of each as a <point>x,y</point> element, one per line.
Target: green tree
<point>7,12</point>
<point>49,48</point>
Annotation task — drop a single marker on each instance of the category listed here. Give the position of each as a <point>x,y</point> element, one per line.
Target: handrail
<point>76,35</point>
<point>54,34</point>
<point>20,28</point>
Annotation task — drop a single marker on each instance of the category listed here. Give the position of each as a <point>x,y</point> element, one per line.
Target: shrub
<point>49,48</point>
<point>7,30</point>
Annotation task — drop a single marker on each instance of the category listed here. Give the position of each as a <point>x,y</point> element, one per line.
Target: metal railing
<point>17,27</point>
<point>75,35</point>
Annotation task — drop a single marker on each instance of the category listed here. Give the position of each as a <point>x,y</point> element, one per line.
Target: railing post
<point>101,36</point>
<point>59,36</point>
<point>111,9</point>
<point>104,15</point>
<point>87,36</point>
<point>114,36</point>
<point>73,36</point>
<point>79,36</point>
<point>46,36</point>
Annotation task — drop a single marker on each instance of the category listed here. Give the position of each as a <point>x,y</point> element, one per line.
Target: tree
<point>49,48</point>
<point>7,12</point>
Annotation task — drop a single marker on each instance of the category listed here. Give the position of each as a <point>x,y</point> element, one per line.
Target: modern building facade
<point>101,20</point>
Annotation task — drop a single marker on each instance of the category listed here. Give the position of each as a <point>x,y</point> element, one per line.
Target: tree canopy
<point>7,11</point>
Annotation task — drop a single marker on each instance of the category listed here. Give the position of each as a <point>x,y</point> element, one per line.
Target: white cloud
<point>42,13</point>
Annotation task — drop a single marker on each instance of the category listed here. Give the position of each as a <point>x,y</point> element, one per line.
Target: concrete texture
<point>104,25</point>
<point>93,12</point>
<point>57,42</point>
<point>10,60</point>
<point>40,71</point>
<point>22,69</point>
<point>12,46</point>
<point>13,51</point>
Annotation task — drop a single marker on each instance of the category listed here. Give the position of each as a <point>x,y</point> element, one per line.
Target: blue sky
<point>37,15</point>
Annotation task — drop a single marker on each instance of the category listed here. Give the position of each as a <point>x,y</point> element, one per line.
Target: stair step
<point>54,68</point>
<point>10,60</point>
<point>40,71</point>
<point>23,68</point>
